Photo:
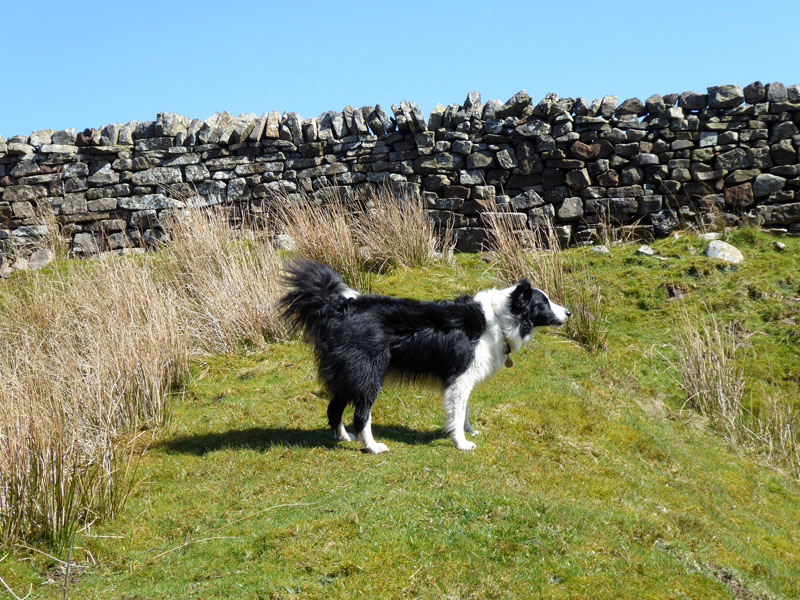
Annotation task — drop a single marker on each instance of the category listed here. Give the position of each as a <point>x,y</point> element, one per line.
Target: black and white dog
<point>359,339</point>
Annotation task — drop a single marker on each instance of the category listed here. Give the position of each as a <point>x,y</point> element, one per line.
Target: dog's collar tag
<point>509,362</point>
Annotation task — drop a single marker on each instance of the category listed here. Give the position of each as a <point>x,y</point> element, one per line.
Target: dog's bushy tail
<point>315,291</point>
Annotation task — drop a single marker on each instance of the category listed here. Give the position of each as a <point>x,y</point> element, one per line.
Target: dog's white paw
<point>464,445</point>
<point>376,448</point>
<point>341,434</point>
<point>473,432</point>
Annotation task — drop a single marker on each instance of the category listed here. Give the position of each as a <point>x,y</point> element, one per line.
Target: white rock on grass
<point>724,251</point>
<point>710,236</point>
<point>600,249</point>
<point>646,250</point>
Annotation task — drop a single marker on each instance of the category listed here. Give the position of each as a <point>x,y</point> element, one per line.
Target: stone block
<point>510,220</point>
<point>648,204</point>
<point>783,153</point>
<point>471,177</point>
<point>692,101</point>
<point>755,93</point>
<point>470,239</point>
<point>779,214</point>
<point>438,163</point>
<point>776,92</point>
<point>157,175</point>
<point>149,202</point>
<point>74,204</point>
<point>578,179</point>
<point>99,205</point>
<point>571,209</point>
<point>739,196</point>
<point>732,160</point>
<point>514,106</point>
<point>480,160</point>
<point>104,176</point>
<point>632,106</point>
<point>86,244</point>
<point>196,173</point>
<point>766,184</point>
<point>725,96</point>
<point>506,158</point>
<point>645,159</point>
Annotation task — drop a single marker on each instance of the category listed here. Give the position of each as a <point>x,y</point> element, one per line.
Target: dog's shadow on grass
<point>264,439</point>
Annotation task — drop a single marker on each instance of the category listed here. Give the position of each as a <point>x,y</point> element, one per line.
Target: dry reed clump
<point>92,351</point>
<point>396,232</point>
<point>85,357</point>
<point>535,254</point>
<point>226,278</point>
<point>774,427</point>
<point>712,375</point>
<point>381,227</point>
<point>324,232</point>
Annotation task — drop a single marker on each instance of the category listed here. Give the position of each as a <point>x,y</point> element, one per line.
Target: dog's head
<point>531,310</point>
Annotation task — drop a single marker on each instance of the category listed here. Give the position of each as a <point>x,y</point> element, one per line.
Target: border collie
<point>360,339</point>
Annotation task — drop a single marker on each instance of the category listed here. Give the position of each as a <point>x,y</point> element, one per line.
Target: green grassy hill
<point>591,478</point>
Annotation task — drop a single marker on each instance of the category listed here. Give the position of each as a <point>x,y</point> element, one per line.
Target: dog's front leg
<point>456,399</point>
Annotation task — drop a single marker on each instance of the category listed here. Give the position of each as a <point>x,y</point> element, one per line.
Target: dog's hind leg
<point>467,426</point>
<point>456,402</point>
<point>365,435</point>
<point>335,411</point>
<point>363,383</point>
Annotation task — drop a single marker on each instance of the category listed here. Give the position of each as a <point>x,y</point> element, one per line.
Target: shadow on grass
<point>263,439</point>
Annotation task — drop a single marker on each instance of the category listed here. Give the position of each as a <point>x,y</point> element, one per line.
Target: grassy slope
<point>588,479</point>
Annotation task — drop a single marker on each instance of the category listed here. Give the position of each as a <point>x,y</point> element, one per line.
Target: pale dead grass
<point>379,228</point>
<point>712,375</point>
<point>85,357</point>
<point>90,354</point>
<point>396,232</point>
<point>325,233</point>
<point>227,280</point>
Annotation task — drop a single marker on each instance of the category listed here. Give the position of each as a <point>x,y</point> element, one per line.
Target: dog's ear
<point>522,293</point>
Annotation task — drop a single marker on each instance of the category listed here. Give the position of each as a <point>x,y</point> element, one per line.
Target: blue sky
<point>85,63</point>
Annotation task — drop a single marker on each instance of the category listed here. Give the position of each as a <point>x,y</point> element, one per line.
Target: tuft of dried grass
<point>774,426</point>
<point>396,232</point>
<point>92,352</point>
<point>379,228</point>
<point>711,377</point>
<point>324,231</point>
<point>227,278</point>
<point>86,357</point>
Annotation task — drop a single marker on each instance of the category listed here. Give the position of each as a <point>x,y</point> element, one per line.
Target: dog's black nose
<point>569,314</point>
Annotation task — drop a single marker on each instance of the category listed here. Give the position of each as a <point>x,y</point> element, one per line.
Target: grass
<point>89,353</point>
<point>377,230</point>
<point>592,478</point>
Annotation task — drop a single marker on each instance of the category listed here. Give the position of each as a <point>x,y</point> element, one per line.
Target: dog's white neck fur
<point>500,322</point>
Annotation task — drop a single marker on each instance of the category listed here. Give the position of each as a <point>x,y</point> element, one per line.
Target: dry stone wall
<point>729,154</point>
